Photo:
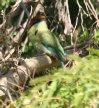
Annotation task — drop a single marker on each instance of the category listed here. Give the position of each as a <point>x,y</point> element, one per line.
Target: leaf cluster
<point>71,88</point>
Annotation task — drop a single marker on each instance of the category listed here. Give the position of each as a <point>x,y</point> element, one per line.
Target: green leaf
<point>93,51</point>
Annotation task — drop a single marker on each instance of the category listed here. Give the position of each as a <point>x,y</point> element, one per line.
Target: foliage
<point>29,50</point>
<point>74,88</point>
<point>5,3</point>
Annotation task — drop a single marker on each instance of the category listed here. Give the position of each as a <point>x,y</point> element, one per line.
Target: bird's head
<point>37,19</point>
<point>39,23</point>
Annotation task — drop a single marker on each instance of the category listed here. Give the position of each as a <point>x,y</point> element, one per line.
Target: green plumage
<point>47,41</point>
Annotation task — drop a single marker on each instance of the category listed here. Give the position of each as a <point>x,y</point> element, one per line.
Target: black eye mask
<point>36,32</point>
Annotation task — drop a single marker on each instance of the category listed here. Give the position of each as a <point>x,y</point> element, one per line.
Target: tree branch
<point>27,67</point>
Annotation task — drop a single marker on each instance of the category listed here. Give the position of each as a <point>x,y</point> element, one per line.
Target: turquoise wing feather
<point>51,42</point>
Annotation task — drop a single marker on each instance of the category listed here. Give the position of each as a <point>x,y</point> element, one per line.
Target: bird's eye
<point>36,32</point>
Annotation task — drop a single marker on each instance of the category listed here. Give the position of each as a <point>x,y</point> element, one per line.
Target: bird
<point>45,40</point>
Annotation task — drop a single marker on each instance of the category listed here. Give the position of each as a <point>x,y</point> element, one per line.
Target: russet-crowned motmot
<point>46,40</point>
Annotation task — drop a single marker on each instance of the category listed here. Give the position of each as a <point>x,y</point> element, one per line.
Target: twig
<point>91,8</point>
<point>78,45</point>
<point>77,16</point>
<point>24,8</point>
<point>20,19</point>
<point>9,95</point>
<point>25,42</point>
<point>14,84</point>
<point>17,25</point>
<point>9,55</point>
<point>81,14</point>
<point>20,33</point>
<point>3,24</point>
<point>86,5</point>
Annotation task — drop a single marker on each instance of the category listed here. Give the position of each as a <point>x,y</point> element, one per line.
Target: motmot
<point>46,40</point>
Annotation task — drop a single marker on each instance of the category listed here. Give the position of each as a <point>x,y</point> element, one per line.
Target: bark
<point>28,68</point>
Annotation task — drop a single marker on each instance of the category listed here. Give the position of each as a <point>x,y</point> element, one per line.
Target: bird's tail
<point>62,64</point>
